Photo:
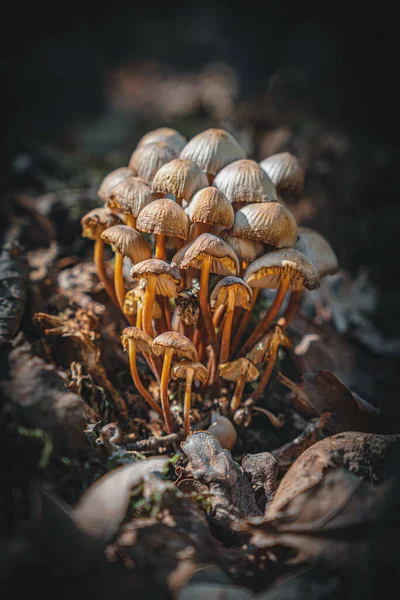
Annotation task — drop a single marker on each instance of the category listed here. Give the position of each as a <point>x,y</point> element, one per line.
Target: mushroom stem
<point>217,317</point>
<point>131,221</point>
<point>99,263</point>
<point>270,315</point>
<point>164,388</point>
<point>244,322</point>
<point>139,313</point>
<point>203,299</point>
<point>119,278</point>
<point>136,379</point>
<point>187,402</point>
<point>148,302</point>
<point>243,267</point>
<point>226,335</point>
<point>167,313</point>
<point>266,376</point>
<point>160,246</point>
<point>178,200</point>
<point>237,396</point>
<point>293,306</point>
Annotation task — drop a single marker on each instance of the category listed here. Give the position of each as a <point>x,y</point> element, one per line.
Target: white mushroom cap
<point>267,270</point>
<point>245,181</point>
<point>224,260</point>
<point>212,150</point>
<point>317,249</point>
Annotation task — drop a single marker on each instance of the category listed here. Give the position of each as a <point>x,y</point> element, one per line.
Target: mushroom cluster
<point>204,229</point>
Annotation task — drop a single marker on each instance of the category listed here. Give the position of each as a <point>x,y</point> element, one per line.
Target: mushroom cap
<point>128,242</point>
<point>245,181</point>
<point>180,370</point>
<point>133,296</point>
<point>180,177</point>
<point>164,217</point>
<point>143,341</point>
<point>268,222</point>
<point>212,150</point>
<point>181,345</point>
<point>231,371</point>
<point>111,180</point>
<point>167,276</point>
<point>98,220</point>
<point>211,206</point>
<point>247,250</point>
<point>130,195</point>
<point>317,249</point>
<point>164,134</point>
<point>148,158</point>
<point>261,350</point>
<point>285,171</point>
<point>224,260</point>
<point>266,271</point>
<point>243,293</point>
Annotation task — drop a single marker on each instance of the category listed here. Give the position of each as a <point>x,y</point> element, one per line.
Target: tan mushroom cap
<point>180,177</point>
<point>231,371</point>
<point>130,196</point>
<point>148,158</point>
<point>164,217</point>
<point>268,222</point>
<point>180,344</point>
<point>111,180</point>
<point>128,242</point>
<point>317,249</point>
<point>247,250</point>
<point>285,171</point>
<point>224,260</point>
<point>266,271</point>
<point>96,221</point>
<point>167,276</point>
<point>182,368</point>
<point>142,340</point>
<point>135,295</point>
<point>243,293</point>
<point>245,181</point>
<point>164,134</point>
<point>261,350</point>
<point>212,150</point>
<point>211,206</point>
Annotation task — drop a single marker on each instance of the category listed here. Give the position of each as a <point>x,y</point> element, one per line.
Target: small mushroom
<point>170,343</point>
<point>125,241</point>
<point>223,430</point>
<point>240,370</point>
<point>284,269</point>
<point>244,182</point>
<point>212,150</point>
<point>285,172</point>
<point>185,369</point>
<point>210,207</point>
<point>230,291</point>
<point>133,305</point>
<point>163,217</point>
<point>135,340</point>
<point>148,158</point>
<point>159,278</point>
<point>111,180</point>
<point>130,196</point>
<point>245,250</point>
<point>93,224</point>
<point>180,177</point>
<point>267,222</point>
<point>164,134</point>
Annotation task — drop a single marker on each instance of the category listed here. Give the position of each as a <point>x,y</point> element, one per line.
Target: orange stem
<point>119,282</point>
<point>98,257</point>
<point>151,283</point>
<point>187,403</point>
<point>266,376</point>
<point>226,335</point>
<point>293,306</point>
<point>164,389</point>
<point>160,247</point>
<point>136,379</point>
<point>244,322</point>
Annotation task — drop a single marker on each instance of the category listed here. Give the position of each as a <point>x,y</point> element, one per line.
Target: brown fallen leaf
<point>232,495</point>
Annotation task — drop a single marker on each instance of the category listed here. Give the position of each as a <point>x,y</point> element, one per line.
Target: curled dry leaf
<point>232,495</point>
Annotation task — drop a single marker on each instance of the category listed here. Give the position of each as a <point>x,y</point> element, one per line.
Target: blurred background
<point>81,86</point>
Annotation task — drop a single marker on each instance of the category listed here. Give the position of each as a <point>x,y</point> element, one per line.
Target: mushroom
<point>163,217</point>
<point>245,250</point>
<point>230,291</point>
<point>185,369</point>
<point>171,343</point>
<point>148,158</point>
<point>267,222</point>
<point>130,196</point>
<point>241,371</point>
<point>111,180</point>
<point>210,207</point>
<point>212,150</point>
<point>267,349</point>
<point>180,177</point>
<point>319,251</point>
<point>285,172</point>
<point>93,224</point>
<point>210,254</point>
<point>223,430</point>
<point>125,241</point>
<point>244,182</point>
<point>164,134</point>
<point>133,305</point>
<point>160,278</point>
<point>284,269</point>
<point>133,340</point>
